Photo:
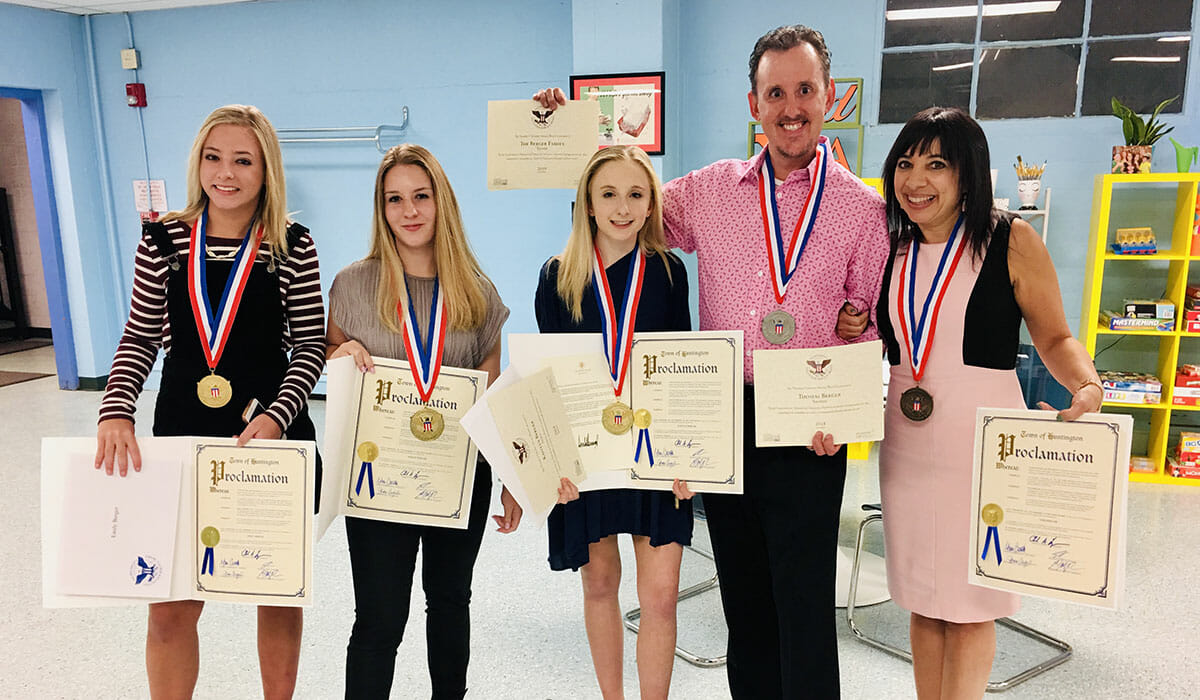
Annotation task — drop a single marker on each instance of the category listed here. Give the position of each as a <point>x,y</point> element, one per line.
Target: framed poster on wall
<point>631,108</point>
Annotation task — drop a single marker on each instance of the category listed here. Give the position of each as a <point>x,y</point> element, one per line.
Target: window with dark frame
<point>1008,59</point>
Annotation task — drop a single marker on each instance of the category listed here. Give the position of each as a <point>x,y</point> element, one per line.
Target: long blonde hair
<point>272,201</point>
<point>459,274</point>
<point>575,262</point>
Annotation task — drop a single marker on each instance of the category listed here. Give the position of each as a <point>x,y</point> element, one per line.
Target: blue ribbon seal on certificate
<point>210,537</point>
<point>367,452</point>
<point>992,515</point>
<point>641,419</point>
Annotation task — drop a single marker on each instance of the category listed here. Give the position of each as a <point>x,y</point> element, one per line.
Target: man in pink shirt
<point>779,265</point>
<point>776,545</point>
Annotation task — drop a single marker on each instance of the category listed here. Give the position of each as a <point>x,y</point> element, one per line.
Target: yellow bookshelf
<point>1175,256</point>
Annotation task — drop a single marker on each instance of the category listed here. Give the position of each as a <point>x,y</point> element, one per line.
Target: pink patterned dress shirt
<point>715,213</point>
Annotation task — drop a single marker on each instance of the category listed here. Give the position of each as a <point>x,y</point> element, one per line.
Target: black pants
<point>383,557</point>
<point>776,556</point>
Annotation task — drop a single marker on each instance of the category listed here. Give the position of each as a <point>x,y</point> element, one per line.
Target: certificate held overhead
<point>533,148</point>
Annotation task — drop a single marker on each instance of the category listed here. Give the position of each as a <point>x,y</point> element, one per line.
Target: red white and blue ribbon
<point>214,327</point>
<point>425,357</point>
<point>784,261</point>
<point>917,331</point>
<point>617,330</point>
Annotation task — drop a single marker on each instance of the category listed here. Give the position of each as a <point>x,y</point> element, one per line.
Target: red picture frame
<point>631,108</point>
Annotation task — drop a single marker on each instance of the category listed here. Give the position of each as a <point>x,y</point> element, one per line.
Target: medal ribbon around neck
<point>918,336</point>
<point>425,358</point>
<point>214,327</point>
<point>617,331</point>
<point>783,263</point>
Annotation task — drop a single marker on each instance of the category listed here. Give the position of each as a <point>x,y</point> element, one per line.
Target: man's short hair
<point>784,38</point>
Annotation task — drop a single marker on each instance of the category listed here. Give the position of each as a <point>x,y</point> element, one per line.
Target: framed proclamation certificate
<point>1048,505</point>
<point>393,456</point>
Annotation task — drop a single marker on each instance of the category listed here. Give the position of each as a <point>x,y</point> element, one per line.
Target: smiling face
<point>619,197</point>
<point>410,208</point>
<point>791,99</point>
<point>231,169</point>
<point>927,187</point>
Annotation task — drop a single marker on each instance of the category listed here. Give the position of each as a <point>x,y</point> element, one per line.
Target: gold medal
<point>214,391</point>
<point>992,515</point>
<point>427,424</point>
<point>617,418</point>
<point>641,418</point>
<point>368,451</point>
<point>210,536</point>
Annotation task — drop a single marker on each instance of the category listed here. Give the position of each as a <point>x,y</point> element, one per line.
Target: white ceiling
<point>99,7</point>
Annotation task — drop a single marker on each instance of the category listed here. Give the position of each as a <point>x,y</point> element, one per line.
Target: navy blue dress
<point>598,514</point>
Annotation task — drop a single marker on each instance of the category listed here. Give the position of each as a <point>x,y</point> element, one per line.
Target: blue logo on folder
<point>145,570</point>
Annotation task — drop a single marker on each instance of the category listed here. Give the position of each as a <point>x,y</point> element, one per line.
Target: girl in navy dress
<point>618,219</point>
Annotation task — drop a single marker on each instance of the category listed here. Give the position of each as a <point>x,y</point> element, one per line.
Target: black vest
<point>991,330</point>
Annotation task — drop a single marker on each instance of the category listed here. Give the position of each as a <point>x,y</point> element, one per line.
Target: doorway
<point>34,295</point>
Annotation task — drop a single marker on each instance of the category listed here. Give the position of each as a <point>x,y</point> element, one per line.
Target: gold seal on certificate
<point>641,418</point>
<point>778,327</point>
<point>617,418</point>
<point>368,451</point>
<point>992,515</point>
<point>210,536</point>
<point>916,404</point>
<point>214,391</point>
<point>426,424</point>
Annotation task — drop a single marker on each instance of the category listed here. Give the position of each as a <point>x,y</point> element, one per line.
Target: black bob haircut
<point>964,146</point>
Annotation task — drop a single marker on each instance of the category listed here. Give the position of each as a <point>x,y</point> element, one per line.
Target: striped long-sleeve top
<point>149,327</point>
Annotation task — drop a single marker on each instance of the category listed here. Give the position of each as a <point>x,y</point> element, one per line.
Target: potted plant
<point>1140,135</point>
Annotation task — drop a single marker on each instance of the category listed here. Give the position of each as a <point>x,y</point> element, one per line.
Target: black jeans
<point>383,557</point>
<point>776,556</point>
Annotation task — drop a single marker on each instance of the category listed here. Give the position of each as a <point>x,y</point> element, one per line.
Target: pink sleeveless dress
<point>925,467</point>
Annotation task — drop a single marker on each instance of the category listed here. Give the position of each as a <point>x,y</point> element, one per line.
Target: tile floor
<point>528,636</point>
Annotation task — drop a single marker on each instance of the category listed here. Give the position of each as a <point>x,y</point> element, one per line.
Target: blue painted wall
<point>314,63</point>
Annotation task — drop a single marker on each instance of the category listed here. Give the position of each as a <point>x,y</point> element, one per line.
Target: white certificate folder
<point>117,535</point>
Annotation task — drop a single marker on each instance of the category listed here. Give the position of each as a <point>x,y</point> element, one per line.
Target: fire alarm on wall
<point>135,94</point>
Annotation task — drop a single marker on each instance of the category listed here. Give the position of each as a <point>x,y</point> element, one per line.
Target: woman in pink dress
<point>962,278</point>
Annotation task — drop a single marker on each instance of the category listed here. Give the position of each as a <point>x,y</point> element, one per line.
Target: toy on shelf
<point>1150,308</point>
<point>1195,250</point>
<point>1131,387</point>
<point>1116,321</point>
<point>1185,461</point>
<point>1144,465</point>
<point>1187,386</point>
<point>1135,241</point>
